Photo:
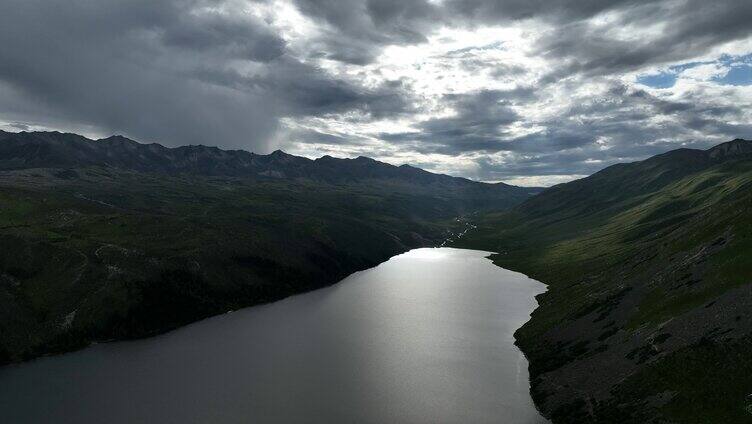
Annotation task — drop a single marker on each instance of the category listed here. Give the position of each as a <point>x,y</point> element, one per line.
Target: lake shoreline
<point>478,281</point>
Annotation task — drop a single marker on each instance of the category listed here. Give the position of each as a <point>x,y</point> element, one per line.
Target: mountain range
<point>59,150</point>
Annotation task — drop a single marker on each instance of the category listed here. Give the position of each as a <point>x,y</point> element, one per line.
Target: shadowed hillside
<point>113,239</point>
<point>647,314</point>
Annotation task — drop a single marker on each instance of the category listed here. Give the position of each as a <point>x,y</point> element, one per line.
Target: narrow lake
<point>426,337</point>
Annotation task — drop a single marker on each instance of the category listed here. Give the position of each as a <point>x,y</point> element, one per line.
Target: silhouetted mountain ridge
<point>60,150</point>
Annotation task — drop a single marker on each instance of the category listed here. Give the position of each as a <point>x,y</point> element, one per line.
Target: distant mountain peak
<point>116,137</point>
<point>735,147</point>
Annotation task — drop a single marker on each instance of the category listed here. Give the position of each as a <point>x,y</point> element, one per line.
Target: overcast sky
<point>531,92</point>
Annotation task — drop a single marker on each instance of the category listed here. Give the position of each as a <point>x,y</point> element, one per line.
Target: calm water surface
<point>423,338</point>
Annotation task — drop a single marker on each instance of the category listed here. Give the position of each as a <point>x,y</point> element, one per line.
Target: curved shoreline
<point>420,330</point>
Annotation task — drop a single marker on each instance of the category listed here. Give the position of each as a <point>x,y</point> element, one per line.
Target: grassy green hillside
<point>649,270</point>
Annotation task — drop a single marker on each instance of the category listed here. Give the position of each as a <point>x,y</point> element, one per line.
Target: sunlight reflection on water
<point>426,337</point>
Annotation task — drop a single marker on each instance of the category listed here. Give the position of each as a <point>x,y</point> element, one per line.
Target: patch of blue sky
<point>659,80</point>
<point>739,72</point>
<point>667,78</point>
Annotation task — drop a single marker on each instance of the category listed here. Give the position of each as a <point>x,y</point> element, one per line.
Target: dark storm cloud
<point>198,71</point>
<point>230,37</point>
<point>478,124</point>
<point>121,66</point>
<point>570,143</point>
<point>494,11</point>
<point>625,119</point>
<point>591,135</point>
<point>164,71</point>
<point>306,136</point>
<point>303,90</point>
<point>690,29</point>
<point>359,29</point>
